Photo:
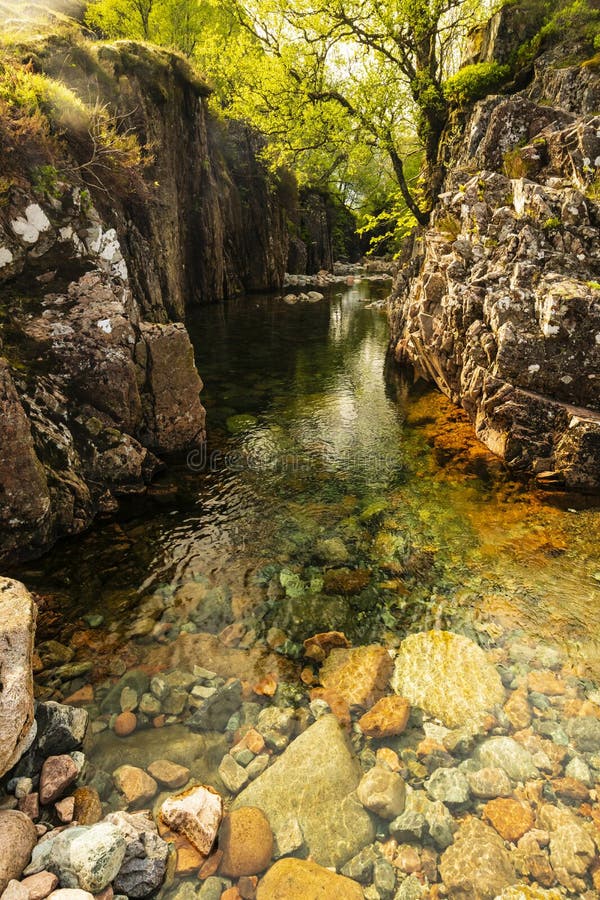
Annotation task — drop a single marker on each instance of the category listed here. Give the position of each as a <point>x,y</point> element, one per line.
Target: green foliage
<point>565,22</point>
<point>473,82</point>
<point>449,226</point>
<point>40,116</point>
<point>551,224</point>
<point>343,91</point>
<point>45,180</point>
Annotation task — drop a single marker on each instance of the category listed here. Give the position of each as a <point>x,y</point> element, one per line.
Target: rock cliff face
<point>500,303</point>
<point>89,392</point>
<point>97,374</point>
<point>209,221</point>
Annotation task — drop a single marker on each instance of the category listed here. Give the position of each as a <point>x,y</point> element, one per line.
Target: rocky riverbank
<point>499,300</point>
<point>445,768</point>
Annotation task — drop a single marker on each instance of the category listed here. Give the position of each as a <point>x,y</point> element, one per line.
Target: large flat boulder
<point>448,676</point>
<point>309,794</point>
<point>17,630</point>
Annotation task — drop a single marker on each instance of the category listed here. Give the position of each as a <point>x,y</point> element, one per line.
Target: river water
<point>311,440</point>
<point>332,495</point>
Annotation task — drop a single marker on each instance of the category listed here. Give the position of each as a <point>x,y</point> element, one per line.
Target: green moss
<point>449,226</point>
<point>552,224</point>
<point>473,82</point>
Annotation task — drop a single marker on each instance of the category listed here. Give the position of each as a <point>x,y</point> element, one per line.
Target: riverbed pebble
<point>246,840</point>
<point>137,787</point>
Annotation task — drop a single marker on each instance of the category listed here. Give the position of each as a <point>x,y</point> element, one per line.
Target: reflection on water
<point>308,442</point>
<point>328,499</point>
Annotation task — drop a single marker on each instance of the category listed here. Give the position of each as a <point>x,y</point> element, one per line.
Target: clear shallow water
<point>310,441</point>
<point>331,496</point>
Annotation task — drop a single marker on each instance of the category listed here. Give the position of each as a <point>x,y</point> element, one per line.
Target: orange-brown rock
<point>188,859</point>
<point>267,686</point>
<point>590,709</point>
<point>518,710</point>
<point>231,893</point>
<point>88,807</point>
<point>137,787</point>
<point>545,682</point>
<point>571,789</point>
<point>307,676</point>
<point>389,758</point>
<point>336,703</point>
<point>247,887</point>
<point>428,746</point>
<point>251,740</point>
<point>389,716</point>
<point>210,865</point>
<point>360,674</point>
<point>246,839</point>
<point>510,818</point>
<point>302,879</point>
<point>81,697</point>
<point>125,723</point>
<point>320,645</point>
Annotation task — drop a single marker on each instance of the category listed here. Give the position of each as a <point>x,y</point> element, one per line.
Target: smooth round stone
<point>125,724</point>
<point>168,773</point>
<point>246,839</point>
<point>382,792</point>
<point>301,879</point>
<point>17,840</point>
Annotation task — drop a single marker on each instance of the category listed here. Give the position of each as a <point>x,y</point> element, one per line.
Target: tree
<point>382,62</point>
<point>121,18</point>
<point>347,91</point>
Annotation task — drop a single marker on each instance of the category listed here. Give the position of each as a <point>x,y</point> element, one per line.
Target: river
<point>332,495</point>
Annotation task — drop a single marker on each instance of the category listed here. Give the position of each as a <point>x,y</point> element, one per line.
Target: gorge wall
<point>499,300</point>
<point>97,270</point>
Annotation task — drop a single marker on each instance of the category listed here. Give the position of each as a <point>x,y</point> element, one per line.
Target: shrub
<point>473,82</point>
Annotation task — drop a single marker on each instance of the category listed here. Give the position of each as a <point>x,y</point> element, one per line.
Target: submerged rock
<point>299,879</point>
<point>477,866</point>
<point>312,785</point>
<point>506,754</point>
<point>196,814</point>
<point>382,792</point>
<point>448,676</point>
<point>360,674</point>
<point>17,630</point>
<point>246,839</point>
<point>388,717</point>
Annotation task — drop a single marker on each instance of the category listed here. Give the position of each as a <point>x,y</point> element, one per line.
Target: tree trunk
<point>421,217</point>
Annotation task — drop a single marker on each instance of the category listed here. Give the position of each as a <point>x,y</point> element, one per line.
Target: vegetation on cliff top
<point>353,96</point>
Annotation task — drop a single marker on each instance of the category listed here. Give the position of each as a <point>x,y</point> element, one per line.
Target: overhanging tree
<point>383,62</point>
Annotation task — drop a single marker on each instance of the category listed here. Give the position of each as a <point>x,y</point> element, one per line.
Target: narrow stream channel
<point>331,496</point>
